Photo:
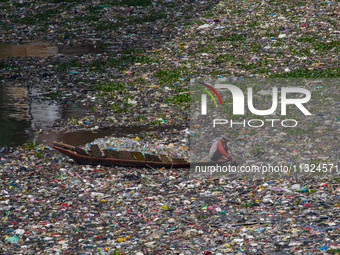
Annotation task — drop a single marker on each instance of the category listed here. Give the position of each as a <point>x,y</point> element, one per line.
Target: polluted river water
<point>21,116</point>
<point>40,49</point>
<point>20,113</point>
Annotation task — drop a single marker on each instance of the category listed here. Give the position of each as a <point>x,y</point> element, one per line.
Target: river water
<point>21,113</point>
<point>14,121</point>
<point>40,49</point>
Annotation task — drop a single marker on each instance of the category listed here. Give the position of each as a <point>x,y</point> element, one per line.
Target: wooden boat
<point>121,158</point>
<point>125,158</point>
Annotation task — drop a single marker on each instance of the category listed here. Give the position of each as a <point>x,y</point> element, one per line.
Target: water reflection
<point>22,113</point>
<point>41,113</point>
<point>13,102</point>
<point>14,124</point>
<point>44,114</point>
<point>23,110</point>
<point>13,132</point>
<point>27,50</point>
<point>40,49</point>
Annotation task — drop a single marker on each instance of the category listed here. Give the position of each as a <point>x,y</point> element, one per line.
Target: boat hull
<point>88,160</point>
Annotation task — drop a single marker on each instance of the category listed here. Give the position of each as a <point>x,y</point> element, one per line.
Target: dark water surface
<point>40,49</point>
<point>20,113</point>
<point>23,110</point>
<point>14,124</point>
<point>83,137</point>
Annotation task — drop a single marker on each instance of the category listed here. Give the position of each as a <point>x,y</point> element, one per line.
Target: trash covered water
<point>147,53</point>
<point>145,146</point>
<point>59,205</point>
<point>84,136</point>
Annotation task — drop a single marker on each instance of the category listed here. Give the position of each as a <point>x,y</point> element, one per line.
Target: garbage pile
<point>50,205</point>
<point>136,71</point>
<point>122,84</point>
<point>155,147</point>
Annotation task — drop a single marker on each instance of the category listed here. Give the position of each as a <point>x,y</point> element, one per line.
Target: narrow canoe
<point>90,160</point>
